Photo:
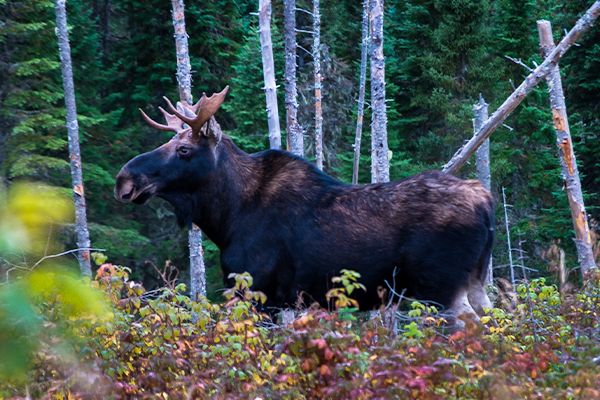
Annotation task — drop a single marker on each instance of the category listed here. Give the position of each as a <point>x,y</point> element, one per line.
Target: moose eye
<point>184,151</point>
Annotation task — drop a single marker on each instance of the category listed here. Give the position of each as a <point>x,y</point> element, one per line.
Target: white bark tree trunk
<point>295,137</point>
<point>583,240</point>
<point>380,164</point>
<point>184,83</point>
<point>264,22</point>
<point>316,52</point>
<point>482,157</point>
<point>81,228</point>
<point>544,69</point>
<point>364,46</point>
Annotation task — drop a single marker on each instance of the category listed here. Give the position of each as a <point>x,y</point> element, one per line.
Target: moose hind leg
<point>478,298</point>
<point>460,306</point>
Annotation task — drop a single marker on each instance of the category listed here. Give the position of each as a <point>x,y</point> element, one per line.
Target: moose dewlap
<point>293,227</point>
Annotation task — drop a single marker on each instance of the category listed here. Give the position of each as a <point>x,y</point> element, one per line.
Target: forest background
<point>440,55</point>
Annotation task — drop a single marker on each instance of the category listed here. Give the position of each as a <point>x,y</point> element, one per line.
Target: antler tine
<point>190,121</point>
<point>206,107</point>
<point>156,125</point>
<point>172,120</point>
<point>198,104</point>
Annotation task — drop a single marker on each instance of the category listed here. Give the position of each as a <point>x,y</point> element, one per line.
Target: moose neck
<point>216,203</point>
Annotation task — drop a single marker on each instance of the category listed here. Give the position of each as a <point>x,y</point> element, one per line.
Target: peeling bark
<point>544,69</point>
<point>316,52</point>
<point>380,164</point>
<point>264,22</point>
<point>361,90</point>
<point>184,74</point>
<point>566,154</point>
<point>482,157</point>
<point>184,83</point>
<point>295,137</point>
<point>81,228</point>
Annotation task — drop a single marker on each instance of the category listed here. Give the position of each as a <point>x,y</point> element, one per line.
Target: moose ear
<point>212,130</point>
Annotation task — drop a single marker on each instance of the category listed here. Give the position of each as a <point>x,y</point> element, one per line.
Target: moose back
<point>293,227</point>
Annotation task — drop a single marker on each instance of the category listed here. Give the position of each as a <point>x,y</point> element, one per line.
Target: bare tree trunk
<point>295,137</point>
<point>482,156</point>
<point>583,240</point>
<point>583,24</point>
<point>562,271</point>
<point>480,109</point>
<point>511,265</point>
<point>380,164</point>
<point>316,52</point>
<point>521,257</point>
<point>364,46</point>
<point>184,83</point>
<point>81,228</point>
<point>264,22</point>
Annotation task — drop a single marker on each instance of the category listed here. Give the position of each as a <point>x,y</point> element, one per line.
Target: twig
<point>305,31</point>
<point>518,61</point>
<point>304,11</point>
<point>302,48</point>
<point>64,253</point>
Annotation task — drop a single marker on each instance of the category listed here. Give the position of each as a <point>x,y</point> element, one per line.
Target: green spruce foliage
<point>440,56</point>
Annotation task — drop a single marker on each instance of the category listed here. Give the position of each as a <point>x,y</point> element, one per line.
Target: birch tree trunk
<point>380,164</point>
<point>583,240</point>
<point>184,83</point>
<point>361,90</point>
<point>295,138</point>
<point>81,228</point>
<point>544,69</point>
<point>482,157</point>
<point>264,23</point>
<point>316,52</point>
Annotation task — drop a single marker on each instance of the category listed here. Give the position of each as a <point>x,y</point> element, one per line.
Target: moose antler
<point>174,123</point>
<point>204,109</point>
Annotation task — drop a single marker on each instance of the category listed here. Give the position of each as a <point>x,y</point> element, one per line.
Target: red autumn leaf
<point>417,383</point>
<point>328,354</point>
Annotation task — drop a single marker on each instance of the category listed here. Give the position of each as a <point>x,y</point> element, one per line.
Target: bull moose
<point>293,227</point>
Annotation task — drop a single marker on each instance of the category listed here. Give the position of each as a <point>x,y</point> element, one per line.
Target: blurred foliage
<point>28,214</point>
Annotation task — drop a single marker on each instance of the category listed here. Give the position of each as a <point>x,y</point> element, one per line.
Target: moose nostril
<point>127,196</point>
<point>124,189</point>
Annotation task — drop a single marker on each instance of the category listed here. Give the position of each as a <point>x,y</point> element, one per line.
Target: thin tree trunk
<point>264,22</point>
<point>482,157</point>
<point>316,52</point>
<point>511,265</point>
<point>295,138</point>
<point>184,74</point>
<point>364,46</point>
<point>81,228</point>
<point>380,164</point>
<point>583,24</point>
<point>583,240</point>
<point>562,271</point>
<point>184,83</point>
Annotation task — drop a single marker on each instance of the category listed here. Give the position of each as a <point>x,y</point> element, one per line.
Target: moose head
<point>179,165</point>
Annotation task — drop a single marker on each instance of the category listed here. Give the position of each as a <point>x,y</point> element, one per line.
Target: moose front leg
<point>264,267</point>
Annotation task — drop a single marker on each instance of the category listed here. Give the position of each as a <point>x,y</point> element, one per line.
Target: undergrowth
<point>110,338</point>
